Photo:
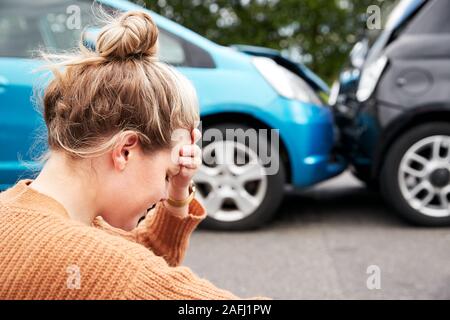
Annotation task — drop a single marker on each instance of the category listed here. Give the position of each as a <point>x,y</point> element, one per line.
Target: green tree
<point>319,33</point>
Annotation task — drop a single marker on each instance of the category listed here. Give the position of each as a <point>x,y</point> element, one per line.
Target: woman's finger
<point>196,135</point>
<point>192,150</point>
<point>190,162</point>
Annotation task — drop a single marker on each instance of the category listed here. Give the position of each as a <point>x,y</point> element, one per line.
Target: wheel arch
<point>250,120</point>
<point>420,115</point>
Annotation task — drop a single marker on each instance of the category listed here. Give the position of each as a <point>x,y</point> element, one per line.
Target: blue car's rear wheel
<point>234,183</point>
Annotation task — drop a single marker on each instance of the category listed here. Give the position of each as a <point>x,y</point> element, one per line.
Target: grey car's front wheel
<point>235,185</point>
<point>415,177</point>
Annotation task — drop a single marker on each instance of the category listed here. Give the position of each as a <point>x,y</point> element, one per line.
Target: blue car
<point>240,89</point>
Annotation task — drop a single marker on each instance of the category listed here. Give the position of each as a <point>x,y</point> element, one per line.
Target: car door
<point>18,118</point>
<point>26,26</point>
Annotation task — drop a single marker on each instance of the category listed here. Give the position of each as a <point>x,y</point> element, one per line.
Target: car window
<point>171,49</point>
<point>53,24</point>
<point>17,35</point>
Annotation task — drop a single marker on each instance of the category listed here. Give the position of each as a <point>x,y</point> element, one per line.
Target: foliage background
<point>319,33</point>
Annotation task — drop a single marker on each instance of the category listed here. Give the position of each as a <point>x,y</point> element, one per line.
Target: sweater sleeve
<point>156,280</point>
<point>163,232</point>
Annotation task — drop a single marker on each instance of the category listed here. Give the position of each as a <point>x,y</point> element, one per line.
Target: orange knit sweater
<point>46,255</point>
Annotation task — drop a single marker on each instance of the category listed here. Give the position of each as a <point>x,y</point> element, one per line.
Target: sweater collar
<point>24,196</point>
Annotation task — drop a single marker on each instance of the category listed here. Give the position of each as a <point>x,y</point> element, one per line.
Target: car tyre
<point>415,177</point>
<point>268,203</point>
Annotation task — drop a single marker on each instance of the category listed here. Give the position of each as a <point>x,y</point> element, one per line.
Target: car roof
<point>163,23</point>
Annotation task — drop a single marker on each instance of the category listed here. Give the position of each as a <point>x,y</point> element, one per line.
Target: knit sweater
<point>46,255</point>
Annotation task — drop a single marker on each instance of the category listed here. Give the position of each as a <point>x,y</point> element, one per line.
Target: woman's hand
<point>189,160</point>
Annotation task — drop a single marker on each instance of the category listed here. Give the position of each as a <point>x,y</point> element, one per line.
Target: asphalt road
<point>320,247</point>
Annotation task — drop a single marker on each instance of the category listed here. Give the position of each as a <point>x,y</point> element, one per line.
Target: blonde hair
<point>97,95</point>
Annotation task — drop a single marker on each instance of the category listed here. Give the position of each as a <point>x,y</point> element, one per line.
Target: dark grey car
<point>395,118</point>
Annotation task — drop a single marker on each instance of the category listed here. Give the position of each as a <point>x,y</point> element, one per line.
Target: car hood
<point>298,68</point>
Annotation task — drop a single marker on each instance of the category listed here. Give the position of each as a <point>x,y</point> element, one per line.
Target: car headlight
<point>285,82</point>
<point>369,78</point>
<point>334,93</point>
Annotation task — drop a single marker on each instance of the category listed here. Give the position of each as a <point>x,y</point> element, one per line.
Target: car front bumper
<point>310,137</point>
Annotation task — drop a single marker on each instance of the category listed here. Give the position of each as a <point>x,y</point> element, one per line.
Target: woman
<point>121,133</point>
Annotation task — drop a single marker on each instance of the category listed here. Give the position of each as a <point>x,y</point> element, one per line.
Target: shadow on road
<point>342,201</point>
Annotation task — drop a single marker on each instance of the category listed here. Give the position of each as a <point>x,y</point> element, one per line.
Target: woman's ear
<point>126,146</point>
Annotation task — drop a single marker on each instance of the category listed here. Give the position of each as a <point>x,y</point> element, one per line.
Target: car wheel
<point>233,183</point>
<point>415,177</point>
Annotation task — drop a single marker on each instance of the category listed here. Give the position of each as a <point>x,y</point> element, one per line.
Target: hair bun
<point>130,34</point>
